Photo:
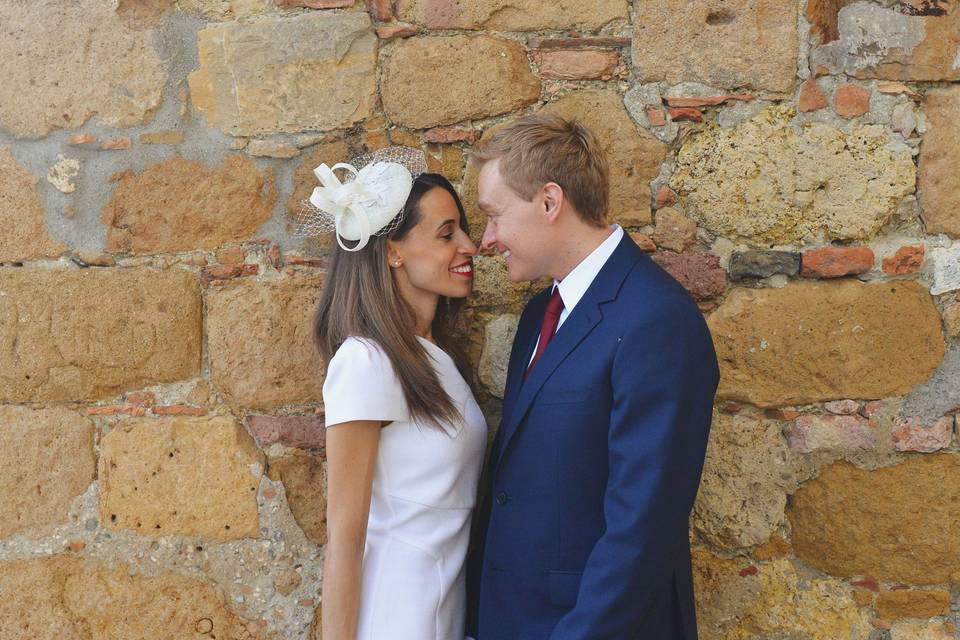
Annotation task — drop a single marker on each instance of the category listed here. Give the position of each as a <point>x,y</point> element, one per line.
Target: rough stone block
<point>70,334</point>
<point>64,598</point>
<point>674,231</point>
<point>836,262</point>
<point>913,603</point>
<point>202,206</point>
<point>811,97</point>
<point>721,43</point>
<point>763,264</point>
<point>259,339</point>
<point>438,80</point>
<point>48,461</point>
<point>252,80</point>
<point>302,432</point>
<point>23,234</point>
<point>851,101</point>
<point>905,261</point>
<point>180,476</point>
<point>588,64</point>
<point>913,40</point>
<point>910,435</point>
<point>841,339</point>
<point>763,183</point>
<point>743,490</point>
<point>497,342</point>
<point>938,181</point>
<point>773,600</point>
<point>75,71</point>
<point>699,273</point>
<point>304,480</point>
<point>895,523</point>
<point>513,15</point>
<point>830,433</point>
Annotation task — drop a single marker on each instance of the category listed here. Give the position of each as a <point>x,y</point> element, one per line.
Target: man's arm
<point>664,378</point>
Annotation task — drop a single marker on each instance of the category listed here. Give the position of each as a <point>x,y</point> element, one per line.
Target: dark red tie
<point>551,317</point>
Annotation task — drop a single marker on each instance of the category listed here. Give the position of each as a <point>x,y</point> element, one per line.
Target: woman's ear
<point>393,255</point>
<point>552,200</point>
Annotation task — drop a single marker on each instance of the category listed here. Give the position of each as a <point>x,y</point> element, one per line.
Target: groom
<point>582,534</point>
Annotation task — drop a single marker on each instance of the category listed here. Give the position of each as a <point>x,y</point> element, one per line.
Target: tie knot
<point>555,304</point>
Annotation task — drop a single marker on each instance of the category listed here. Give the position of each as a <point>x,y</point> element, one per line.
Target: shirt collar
<point>579,280</point>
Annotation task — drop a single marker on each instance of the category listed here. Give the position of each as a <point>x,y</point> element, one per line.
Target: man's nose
<point>488,241</point>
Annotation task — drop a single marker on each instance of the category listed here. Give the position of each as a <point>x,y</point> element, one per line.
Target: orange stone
<point>835,262</point>
<point>811,97</point>
<point>850,101</point>
<point>905,261</point>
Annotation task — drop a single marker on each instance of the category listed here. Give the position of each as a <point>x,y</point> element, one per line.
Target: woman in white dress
<point>405,437</point>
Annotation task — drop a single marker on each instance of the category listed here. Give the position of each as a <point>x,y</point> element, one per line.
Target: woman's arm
<point>351,457</point>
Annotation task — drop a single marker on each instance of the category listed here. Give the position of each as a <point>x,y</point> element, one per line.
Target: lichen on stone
<point>765,183</point>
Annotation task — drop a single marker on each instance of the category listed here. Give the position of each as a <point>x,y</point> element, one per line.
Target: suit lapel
<point>581,321</point>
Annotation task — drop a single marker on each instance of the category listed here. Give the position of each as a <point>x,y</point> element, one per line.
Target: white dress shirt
<point>579,280</point>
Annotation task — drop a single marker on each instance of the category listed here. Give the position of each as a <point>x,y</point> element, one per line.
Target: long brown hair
<point>361,299</point>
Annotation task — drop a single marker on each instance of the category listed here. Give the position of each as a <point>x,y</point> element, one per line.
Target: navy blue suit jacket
<point>582,533</point>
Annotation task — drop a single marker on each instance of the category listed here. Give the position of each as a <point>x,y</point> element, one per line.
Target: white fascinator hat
<point>368,202</point>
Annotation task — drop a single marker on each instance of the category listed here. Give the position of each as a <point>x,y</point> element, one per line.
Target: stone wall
<point>791,162</point>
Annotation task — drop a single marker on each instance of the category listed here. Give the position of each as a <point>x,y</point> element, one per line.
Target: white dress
<point>424,490</point>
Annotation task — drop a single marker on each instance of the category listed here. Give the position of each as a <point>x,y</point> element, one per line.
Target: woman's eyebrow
<point>445,223</point>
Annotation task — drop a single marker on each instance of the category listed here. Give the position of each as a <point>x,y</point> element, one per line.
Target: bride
<point>405,437</point>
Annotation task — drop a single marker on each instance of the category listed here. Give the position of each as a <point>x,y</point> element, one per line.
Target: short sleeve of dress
<point>361,385</point>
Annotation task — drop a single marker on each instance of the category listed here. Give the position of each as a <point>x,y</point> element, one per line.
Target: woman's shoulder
<point>361,384</point>
<point>358,348</point>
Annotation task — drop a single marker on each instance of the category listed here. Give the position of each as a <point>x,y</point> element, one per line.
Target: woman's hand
<point>351,460</point>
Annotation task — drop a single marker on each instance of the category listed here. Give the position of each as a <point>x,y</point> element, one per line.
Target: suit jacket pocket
<point>563,586</point>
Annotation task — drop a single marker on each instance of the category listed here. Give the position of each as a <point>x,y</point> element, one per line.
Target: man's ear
<point>553,198</point>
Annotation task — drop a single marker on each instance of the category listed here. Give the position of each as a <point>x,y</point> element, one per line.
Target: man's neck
<point>583,242</point>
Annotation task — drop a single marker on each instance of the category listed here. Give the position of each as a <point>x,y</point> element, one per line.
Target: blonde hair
<point>542,148</point>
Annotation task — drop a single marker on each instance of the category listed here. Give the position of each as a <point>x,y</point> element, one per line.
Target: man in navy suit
<point>582,533</point>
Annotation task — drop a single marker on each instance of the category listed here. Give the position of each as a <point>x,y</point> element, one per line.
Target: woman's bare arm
<point>351,457</point>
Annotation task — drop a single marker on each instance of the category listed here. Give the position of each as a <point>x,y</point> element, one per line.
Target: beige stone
<point>62,173</point>
<point>897,45</point>
<point>23,235</point>
<point>764,184</point>
<point>674,230</point>
<point>49,461</point>
<point>952,318</point>
<point>492,286</point>
<point>304,480</point>
<point>743,490</point>
<point>894,523</point>
<point>498,337</point>
<point>260,344</point>
<point>251,82</point>
<point>772,600</point>
<point>721,43</point>
<point>512,15</point>
<point>180,476</point>
<point>633,153</point>
<point>913,603</point>
<point>811,342</point>
<point>224,9</point>
<point>86,334</point>
<point>63,598</point>
<point>587,64</point>
<point>179,204</point>
<point>438,80</point>
<point>74,71</point>
<point>914,630</point>
<point>938,181</point>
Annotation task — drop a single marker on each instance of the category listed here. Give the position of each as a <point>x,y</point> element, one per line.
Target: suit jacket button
<point>502,497</point>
